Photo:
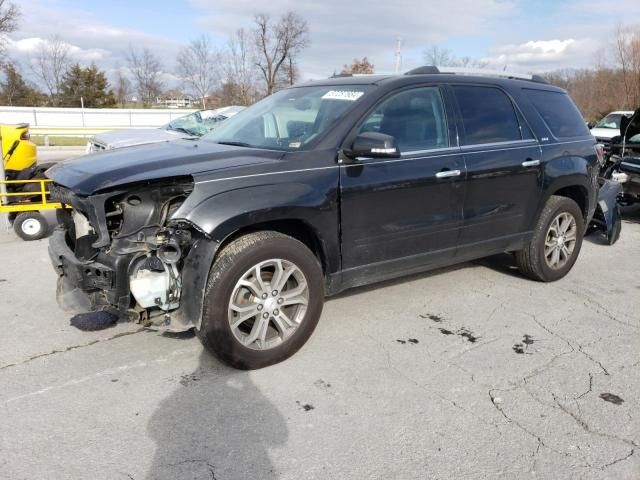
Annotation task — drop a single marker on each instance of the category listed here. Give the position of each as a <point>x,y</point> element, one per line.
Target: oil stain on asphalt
<point>611,398</point>
<point>305,406</point>
<point>431,316</point>
<point>410,340</point>
<point>521,348</point>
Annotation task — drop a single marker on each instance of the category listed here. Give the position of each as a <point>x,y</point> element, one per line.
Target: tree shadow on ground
<point>215,425</point>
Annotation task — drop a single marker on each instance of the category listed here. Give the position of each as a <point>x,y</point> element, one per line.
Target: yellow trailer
<point>23,186</point>
<point>24,207</point>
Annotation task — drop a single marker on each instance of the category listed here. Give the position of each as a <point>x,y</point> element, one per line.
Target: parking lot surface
<point>468,372</point>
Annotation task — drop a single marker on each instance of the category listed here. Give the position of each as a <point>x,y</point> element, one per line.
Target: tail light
<point>600,153</point>
<point>25,136</point>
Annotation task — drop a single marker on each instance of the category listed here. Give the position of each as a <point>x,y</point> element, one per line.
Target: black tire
<point>24,224</point>
<point>531,259</point>
<point>230,265</point>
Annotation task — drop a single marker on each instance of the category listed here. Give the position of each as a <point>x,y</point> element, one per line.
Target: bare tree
<point>146,69</point>
<point>443,57</point>
<point>240,70</point>
<point>290,72</point>
<point>627,56</point>
<point>439,56</point>
<point>9,14</point>
<point>198,65</point>
<point>275,43</point>
<point>357,66</point>
<point>51,62</point>
<point>121,88</point>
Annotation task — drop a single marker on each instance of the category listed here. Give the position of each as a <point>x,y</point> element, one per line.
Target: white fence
<point>43,118</point>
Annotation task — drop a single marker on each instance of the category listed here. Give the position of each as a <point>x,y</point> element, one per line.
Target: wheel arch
<point>296,228</point>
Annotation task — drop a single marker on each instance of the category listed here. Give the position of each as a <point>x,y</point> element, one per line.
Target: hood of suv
<point>91,173</point>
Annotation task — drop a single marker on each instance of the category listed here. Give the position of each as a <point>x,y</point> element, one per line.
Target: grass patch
<point>60,141</point>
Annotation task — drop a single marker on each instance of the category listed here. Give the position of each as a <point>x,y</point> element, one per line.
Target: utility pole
<point>398,55</point>
<point>82,108</point>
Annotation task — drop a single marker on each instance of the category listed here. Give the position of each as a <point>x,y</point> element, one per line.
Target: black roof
<point>415,78</point>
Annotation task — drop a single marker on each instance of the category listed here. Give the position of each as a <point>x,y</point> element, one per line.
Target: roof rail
<point>342,75</point>
<point>483,72</point>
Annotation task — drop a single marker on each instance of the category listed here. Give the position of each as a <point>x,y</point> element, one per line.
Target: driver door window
<point>415,118</point>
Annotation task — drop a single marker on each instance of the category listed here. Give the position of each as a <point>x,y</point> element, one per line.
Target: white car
<point>609,126</point>
<point>193,125</point>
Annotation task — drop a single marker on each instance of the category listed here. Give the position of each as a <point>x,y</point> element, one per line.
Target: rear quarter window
<point>559,113</point>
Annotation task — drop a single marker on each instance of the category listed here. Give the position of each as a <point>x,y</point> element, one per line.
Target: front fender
<point>219,209</point>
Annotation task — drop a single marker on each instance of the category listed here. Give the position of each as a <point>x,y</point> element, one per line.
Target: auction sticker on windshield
<point>349,95</point>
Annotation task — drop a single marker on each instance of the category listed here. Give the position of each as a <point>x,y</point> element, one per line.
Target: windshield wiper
<point>235,144</point>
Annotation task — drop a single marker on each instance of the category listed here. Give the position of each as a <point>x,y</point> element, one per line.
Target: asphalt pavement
<point>468,372</point>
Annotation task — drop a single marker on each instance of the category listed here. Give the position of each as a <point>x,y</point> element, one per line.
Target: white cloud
<point>31,46</point>
<point>543,55</point>
<point>341,31</point>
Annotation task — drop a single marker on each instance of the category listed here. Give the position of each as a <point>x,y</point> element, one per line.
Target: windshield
<point>289,119</point>
<point>610,121</point>
<point>197,123</point>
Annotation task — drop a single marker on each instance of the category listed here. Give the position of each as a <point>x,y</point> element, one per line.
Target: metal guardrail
<point>96,118</point>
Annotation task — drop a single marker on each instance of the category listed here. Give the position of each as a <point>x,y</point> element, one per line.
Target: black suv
<point>319,188</point>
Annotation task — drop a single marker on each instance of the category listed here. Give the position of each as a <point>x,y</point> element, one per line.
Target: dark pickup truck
<point>318,188</point>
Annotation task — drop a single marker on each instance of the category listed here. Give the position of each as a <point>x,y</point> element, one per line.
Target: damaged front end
<point>123,251</point>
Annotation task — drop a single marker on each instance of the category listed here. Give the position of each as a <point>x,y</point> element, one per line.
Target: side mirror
<point>374,145</point>
<point>591,125</point>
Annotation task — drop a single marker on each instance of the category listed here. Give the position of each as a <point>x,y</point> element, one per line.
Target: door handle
<point>448,173</point>
<point>531,163</point>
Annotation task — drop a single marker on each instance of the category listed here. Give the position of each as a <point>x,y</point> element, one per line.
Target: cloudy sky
<point>523,35</point>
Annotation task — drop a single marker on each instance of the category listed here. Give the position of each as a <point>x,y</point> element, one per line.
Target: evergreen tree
<point>89,83</point>
<point>15,91</point>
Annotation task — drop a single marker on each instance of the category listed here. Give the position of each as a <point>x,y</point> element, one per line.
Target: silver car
<point>192,125</point>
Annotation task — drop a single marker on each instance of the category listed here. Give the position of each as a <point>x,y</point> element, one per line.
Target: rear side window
<point>559,113</point>
<point>488,115</point>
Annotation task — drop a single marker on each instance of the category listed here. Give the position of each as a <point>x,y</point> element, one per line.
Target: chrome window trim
<point>439,152</point>
<point>429,150</point>
<point>571,141</point>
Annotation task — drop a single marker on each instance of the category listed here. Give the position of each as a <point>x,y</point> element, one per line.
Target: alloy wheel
<point>268,304</point>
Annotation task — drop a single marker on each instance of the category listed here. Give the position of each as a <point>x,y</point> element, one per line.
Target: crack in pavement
<point>405,377</point>
<point>72,347</point>
<point>568,342</point>
<point>210,466</point>
<point>589,390</point>
<point>618,460</point>
<point>539,439</point>
<point>107,372</point>
<point>597,307</point>
<point>585,426</point>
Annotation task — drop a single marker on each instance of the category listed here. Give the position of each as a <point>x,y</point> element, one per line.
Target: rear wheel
<point>30,226</point>
<point>556,241</point>
<point>263,300</point>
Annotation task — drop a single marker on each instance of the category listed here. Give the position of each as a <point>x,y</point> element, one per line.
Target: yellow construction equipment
<point>23,186</point>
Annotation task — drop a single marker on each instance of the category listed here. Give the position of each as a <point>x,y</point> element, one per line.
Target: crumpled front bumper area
<point>88,285</point>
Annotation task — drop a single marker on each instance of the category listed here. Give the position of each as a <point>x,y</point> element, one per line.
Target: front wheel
<point>556,241</point>
<point>263,300</point>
